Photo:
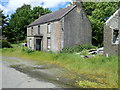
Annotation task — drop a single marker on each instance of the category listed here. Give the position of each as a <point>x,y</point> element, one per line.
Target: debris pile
<point>93,52</point>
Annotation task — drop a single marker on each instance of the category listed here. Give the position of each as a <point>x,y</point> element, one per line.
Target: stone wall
<point>54,35</point>
<point>109,48</point>
<point>112,23</point>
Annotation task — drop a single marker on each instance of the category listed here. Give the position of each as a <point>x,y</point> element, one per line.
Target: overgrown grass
<point>99,68</point>
<point>77,48</point>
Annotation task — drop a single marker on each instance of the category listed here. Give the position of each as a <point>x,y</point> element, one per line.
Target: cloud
<point>54,3</point>
<point>1,7</point>
<point>12,5</point>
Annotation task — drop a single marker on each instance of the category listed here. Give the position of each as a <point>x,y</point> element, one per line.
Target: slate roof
<point>116,14</point>
<point>52,16</point>
<point>114,20</point>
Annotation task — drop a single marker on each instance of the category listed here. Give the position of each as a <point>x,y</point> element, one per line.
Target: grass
<point>101,71</point>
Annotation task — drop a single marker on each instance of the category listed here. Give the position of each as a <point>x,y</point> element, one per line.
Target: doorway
<point>38,44</point>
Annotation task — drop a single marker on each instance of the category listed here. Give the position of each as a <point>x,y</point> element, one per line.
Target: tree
<point>3,22</point>
<point>0,23</point>
<point>0,17</point>
<point>17,29</point>
<point>3,19</point>
<point>98,13</point>
<point>38,11</point>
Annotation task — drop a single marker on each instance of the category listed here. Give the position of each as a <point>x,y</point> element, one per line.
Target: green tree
<point>3,19</point>
<point>16,30</point>
<point>98,13</point>
<point>0,23</point>
<point>3,22</point>
<point>38,11</point>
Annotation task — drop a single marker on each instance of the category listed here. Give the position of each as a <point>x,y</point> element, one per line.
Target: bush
<point>5,44</point>
<point>25,49</point>
<point>77,48</point>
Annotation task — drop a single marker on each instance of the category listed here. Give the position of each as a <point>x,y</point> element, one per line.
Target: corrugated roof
<point>52,16</point>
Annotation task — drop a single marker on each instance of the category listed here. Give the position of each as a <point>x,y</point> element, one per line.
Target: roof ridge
<point>57,11</point>
<point>68,11</point>
<point>56,15</point>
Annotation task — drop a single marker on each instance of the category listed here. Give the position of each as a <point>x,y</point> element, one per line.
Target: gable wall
<point>77,28</point>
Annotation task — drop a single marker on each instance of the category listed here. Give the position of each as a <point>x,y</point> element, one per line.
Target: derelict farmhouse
<point>63,28</point>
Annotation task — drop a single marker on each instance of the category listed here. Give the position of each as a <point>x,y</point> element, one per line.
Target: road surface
<point>18,73</point>
<point>12,78</point>
<point>15,79</point>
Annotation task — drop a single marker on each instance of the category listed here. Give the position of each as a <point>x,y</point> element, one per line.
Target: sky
<point>9,6</point>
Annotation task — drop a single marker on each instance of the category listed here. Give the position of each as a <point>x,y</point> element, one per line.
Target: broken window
<point>31,30</point>
<point>38,29</point>
<point>49,28</point>
<point>115,39</point>
<point>48,43</point>
<point>30,43</point>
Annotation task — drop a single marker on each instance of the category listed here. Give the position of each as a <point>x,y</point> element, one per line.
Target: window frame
<point>48,28</point>
<point>38,29</point>
<point>30,43</point>
<point>117,39</point>
<point>31,30</point>
<point>48,45</point>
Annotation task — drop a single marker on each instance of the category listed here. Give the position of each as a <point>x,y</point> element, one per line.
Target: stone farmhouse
<point>63,28</point>
<point>112,34</point>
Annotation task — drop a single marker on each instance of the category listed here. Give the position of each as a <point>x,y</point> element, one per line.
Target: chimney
<point>41,15</point>
<point>77,3</point>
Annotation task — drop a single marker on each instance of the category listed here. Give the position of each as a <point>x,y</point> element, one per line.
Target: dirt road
<point>12,78</point>
<point>18,73</point>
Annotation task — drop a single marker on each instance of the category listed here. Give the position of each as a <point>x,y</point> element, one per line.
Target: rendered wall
<point>77,28</point>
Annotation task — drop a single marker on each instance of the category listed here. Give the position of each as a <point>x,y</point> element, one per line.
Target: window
<point>115,38</point>
<point>31,30</point>
<point>48,43</point>
<point>30,43</point>
<point>38,29</point>
<point>49,28</point>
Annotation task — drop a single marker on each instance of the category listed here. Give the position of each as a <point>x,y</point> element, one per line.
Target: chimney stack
<point>39,15</point>
<point>77,3</point>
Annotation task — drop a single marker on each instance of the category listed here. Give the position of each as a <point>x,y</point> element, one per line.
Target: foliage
<point>98,13</point>
<point>16,30</point>
<point>5,44</point>
<point>3,19</point>
<point>26,50</point>
<point>0,17</point>
<point>88,84</point>
<point>77,48</point>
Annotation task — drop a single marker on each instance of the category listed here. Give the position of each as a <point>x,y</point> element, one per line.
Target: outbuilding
<point>112,35</point>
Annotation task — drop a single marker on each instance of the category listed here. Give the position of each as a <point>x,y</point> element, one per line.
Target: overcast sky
<point>9,6</point>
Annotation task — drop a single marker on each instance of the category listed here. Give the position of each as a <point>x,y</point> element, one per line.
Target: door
<point>38,44</point>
